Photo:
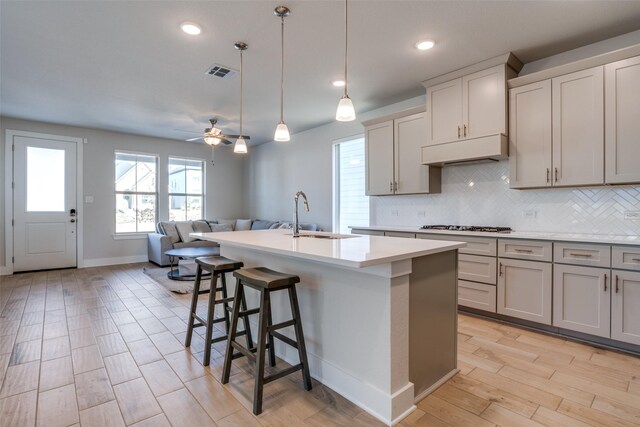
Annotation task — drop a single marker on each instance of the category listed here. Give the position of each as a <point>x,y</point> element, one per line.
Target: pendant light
<point>282,131</point>
<point>345,112</point>
<point>240,145</point>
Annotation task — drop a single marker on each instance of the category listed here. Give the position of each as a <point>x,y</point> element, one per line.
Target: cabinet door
<point>444,112</point>
<point>524,290</point>
<point>582,299</point>
<point>625,307</point>
<point>622,113</point>
<point>410,134</point>
<point>484,106</point>
<point>379,158</point>
<point>530,135</point>
<point>578,128</point>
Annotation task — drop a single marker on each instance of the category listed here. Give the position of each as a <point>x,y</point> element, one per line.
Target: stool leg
<point>265,307</point>
<point>272,346</point>
<point>225,295</point>
<point>194,306</point>
<point>210,315</point>
<point>228,354</point>
<point>302,349</point>
<point>247,325</point>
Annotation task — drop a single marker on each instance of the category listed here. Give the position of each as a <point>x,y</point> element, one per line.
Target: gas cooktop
<point>478,228</point>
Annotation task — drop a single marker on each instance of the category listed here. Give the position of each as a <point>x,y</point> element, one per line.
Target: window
<point>186,189</point>
<point>136,192</point>
<point>351,205</point>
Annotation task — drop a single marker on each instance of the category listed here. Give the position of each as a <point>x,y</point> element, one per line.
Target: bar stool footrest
<point>281,325</point>
<point>285,339</point>
<point>283,373</point>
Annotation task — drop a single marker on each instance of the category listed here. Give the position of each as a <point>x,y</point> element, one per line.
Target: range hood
<point>486,148</point>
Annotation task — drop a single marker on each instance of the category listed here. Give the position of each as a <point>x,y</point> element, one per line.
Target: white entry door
<point>44,198</point>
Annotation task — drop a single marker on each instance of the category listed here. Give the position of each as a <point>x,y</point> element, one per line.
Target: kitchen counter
<point>531,235</point>
<point>373,309</point>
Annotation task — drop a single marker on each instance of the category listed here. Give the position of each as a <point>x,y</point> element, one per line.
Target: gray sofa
<point>175,234</point>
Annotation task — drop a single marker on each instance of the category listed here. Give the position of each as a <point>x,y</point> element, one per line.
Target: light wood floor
<point>104,346</point>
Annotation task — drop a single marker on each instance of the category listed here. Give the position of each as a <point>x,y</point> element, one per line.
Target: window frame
<point>203,210</point>
<point>135,193</point>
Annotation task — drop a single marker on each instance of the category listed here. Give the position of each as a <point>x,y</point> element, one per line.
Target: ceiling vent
<point>217,70</point>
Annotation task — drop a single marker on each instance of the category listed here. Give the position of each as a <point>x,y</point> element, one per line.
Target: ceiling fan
<point>214,135</point>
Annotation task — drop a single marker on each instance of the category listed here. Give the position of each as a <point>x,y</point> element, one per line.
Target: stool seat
<point>262,277</point>
<point>218,263</point>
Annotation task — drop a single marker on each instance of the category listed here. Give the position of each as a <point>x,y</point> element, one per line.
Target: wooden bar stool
<point>266,281</point>
<point>217,266</point>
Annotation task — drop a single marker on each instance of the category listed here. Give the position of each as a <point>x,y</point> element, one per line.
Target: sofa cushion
<point>201,226</point>
<point>308,226</point>
<point>216,228</point>
<point>231,222</point>
<point>195,244</point>
<point>212,222</point>
<point>243,224</point>
<point>261,224</point>
<point>168,228</point>
<point>184,228</point>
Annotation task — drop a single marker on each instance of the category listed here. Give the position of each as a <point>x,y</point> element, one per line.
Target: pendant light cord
<point>241,94</point>
<point>346,35</point>
<point>282,73</point>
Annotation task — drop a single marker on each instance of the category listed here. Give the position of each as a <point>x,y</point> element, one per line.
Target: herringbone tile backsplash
<point>480,195</point>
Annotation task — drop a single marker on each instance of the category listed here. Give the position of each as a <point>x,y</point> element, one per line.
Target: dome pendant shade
<point>240,146</point>
<point>345,112</point>
<point>210,136</point>
<point>282,133</point>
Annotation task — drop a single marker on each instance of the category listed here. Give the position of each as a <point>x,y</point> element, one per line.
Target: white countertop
<point>354,251</point>
<point>531,235</point>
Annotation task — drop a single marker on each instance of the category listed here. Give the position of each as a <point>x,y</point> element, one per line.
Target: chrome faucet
<point>296,225</point>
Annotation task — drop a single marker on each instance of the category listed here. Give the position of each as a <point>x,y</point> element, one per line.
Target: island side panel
<point>432,321</point>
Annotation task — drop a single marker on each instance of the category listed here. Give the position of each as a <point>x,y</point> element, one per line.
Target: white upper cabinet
<point>469,107</point>
<point>578,128</point>
<point>393,162</point>
<point>622,115</point>
<point>530,135</point>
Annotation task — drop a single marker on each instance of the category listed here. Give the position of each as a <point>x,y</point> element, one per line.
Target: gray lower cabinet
<point>524,289</point>
<point>366,232</point>
<point>582,299</point>
<point>477,295</point>
<point>625,306</point>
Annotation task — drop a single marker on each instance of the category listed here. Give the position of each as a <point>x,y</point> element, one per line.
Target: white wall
<point>277,170</point>
<point>224,183</point>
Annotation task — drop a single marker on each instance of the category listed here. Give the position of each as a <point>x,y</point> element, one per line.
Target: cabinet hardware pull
<point>395,186</point>
<point>605,282</point>
<point>584,255</point>
<point>548,174</point>
<point>635,259</point>
<point>526,251</point>
<point>617,287</point>
<point>556,169</point>
<point>390,185</point>
<point>458,132</point>
<point>465,130</point>
<point>500,269</point>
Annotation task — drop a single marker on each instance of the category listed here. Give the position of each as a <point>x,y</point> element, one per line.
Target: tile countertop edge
<point>383,259</point>
<point>533,235</point>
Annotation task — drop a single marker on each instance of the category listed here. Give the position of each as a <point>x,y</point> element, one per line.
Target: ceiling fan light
<point>345,112</point>
<point>240,146</point>
<point>210,136</point>
<point>282,133</point>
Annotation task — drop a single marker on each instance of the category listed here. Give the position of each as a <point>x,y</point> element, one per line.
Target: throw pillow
<point>275,225</point>
<point>201,226</point>
<point>169,229</point>
<point>231,222</point>
<point>243,224</point>
<point>261,224</point>
<point>285,226</point>
<point>216,228</point>
<point>184,228</point>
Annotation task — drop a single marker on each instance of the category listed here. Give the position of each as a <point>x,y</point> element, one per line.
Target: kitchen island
<point>379,313</point>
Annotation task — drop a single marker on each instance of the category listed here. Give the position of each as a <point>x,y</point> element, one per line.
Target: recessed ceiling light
<point>425,44</point>
<point>190,28</point>
<point>338,83</point>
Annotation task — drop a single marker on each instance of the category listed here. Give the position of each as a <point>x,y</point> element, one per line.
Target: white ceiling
<point>126,66</point>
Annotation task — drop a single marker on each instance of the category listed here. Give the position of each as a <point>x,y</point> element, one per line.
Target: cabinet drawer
<point>625,257</point>
<point>475,245</point>
<point>525,249</point>
<point>400,234</point>
<point>367,232</point>
<point>477,295</point>
<point>582,254</point>
<point>477,268</point>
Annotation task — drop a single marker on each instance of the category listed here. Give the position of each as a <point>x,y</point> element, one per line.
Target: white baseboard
<point>99,262</point>
<point>5,271</point>
<point>437,384</point>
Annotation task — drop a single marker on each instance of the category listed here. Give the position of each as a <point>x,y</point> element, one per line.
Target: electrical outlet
<point>394,213</point>
<point>529,214</point>
<point>632,215</point>
<point>88,199</point>
<point>421,213</point>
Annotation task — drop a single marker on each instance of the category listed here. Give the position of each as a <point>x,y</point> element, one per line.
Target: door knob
<point>72,212</point>
<point>72,220</point>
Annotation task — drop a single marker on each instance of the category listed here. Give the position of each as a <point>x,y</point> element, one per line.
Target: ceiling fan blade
<point>234,136</point>
<point>225,141</point>
<point>194,139</point>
